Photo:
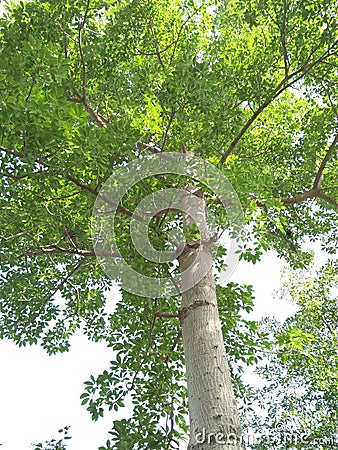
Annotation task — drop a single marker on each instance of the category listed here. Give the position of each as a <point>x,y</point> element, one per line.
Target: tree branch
<point>157,50</point>
<point>181,29</point>
<point>52,249</point>
<point>167,315</point>
<point>243,130</point>
<point>101,121</point>
<point>11,152</point>
<point>16,177</point>
<point>174,345</point>
<point>170,121</point>
<point>4,238</point>
<point>328,199</point>
<point>311,193</point>
<point>300,198</point>
<point>83,63</point>
<point>106,199</point>
<point>82,98</point>
<point>283,40</point>
<point>32,84</point>
<point>49,296</point>
<point>319,177</point>
<point>78,183</point>
<point>287,82</point>
<point>150,148</point>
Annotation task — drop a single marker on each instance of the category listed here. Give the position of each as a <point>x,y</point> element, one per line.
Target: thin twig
<point>32,84</point>
<point>78,183</point>
<point>157,50</point>
<point>82,98</point>
<point>181,29</point>
<point>319,177</point>
<point>283,39</point>
<point>51,294</point>
<point>287,82</point>
<point>52,249</point>
<point>83,63</point>
<point>170,121</point>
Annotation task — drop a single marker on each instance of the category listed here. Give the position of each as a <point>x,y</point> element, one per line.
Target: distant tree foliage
<point>55,444</point>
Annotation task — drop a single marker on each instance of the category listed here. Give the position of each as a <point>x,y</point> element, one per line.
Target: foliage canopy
<point>86,87</point>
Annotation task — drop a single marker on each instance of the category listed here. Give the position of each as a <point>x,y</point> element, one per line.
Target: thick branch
<point>315,192</point>
<point>244,130</point>
<point>300,198</point>
<point>312,193</point>
<point>167,315</point>
<point>328,199</point>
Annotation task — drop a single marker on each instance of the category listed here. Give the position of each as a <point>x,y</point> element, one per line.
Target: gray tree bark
<point>214,421</point>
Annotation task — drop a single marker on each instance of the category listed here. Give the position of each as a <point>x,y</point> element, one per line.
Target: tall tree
<point>88,89</point>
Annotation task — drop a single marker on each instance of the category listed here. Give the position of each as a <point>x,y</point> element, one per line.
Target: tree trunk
<point>214,421</point>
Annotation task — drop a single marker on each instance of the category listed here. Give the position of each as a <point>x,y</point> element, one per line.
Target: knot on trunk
<point>185,311</point>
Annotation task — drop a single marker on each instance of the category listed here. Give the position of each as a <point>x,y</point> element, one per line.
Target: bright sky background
<point>40,394</point>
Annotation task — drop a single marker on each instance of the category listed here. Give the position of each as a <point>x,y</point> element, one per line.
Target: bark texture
<point>214,421</point>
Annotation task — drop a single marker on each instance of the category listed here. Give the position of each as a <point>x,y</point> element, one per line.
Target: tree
<point>55,444</point>
<point>301,376</point>
<point>88,90</point>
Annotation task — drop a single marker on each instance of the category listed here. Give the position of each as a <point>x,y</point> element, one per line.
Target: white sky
<point>40,394</point>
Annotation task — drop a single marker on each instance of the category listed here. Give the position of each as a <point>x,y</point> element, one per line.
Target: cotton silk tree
<point>92,89</point>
